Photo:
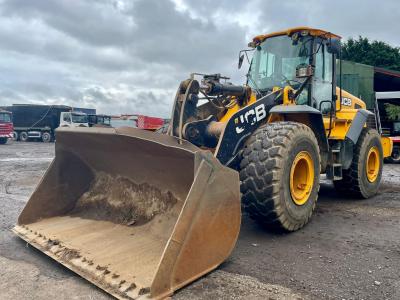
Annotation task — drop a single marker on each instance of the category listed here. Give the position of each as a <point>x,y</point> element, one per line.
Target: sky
<point>129,56</point>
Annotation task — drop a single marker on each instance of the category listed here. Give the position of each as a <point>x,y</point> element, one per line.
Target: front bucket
<point>134,212</point>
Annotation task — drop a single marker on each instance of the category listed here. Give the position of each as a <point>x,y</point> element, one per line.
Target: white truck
<point>74,119</point>
<point>39,122</point>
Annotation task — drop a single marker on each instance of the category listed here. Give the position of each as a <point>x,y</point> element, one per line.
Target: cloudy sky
<point>128,56</point>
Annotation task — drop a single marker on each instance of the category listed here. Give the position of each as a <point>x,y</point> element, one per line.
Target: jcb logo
<point>346,101</point>
<point>251,117</point>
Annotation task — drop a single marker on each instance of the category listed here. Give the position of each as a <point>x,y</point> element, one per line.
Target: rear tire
<point>23,136</point>
<point>270,158</point>
<point>46,137</point>
<point>357,181</point>
<point>3,141</point>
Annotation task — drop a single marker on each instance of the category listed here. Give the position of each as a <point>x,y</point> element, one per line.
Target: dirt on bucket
<point>120,200</point>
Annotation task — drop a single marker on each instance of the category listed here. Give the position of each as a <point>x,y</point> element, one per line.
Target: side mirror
<point>241,58</point>
<point>334,46</point>
<point>325,106</point>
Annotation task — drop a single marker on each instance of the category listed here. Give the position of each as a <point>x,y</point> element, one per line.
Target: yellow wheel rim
<point>301,177</point>
<point>373,164</point>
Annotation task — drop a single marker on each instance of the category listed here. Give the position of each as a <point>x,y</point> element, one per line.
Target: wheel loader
<point>142,214</point>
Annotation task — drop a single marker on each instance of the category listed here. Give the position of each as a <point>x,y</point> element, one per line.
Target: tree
<point>393,111</point>
<point>375,53</point>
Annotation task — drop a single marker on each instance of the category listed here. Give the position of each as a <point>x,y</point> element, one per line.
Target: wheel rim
<point>46,137</point>
<point>301,178</point>
<point>373,164</point>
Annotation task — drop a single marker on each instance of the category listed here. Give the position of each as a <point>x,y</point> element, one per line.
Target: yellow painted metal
<point>135,212</point>
<point>234,109</point>
<point>290,31</point>
<point>387,146</point>
<point>349,101</point>
<point>287,100</point>
<point>345,114</point>
<point>340,124</point>
<point>372,164</point>
<point>274,117</point>
<point>301,177</point>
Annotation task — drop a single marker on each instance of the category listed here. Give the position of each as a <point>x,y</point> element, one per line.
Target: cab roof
<point>290,31</point>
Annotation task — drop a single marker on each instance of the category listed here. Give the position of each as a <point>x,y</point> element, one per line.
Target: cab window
<point>67,118</point>
<point>5,117</point>
<point>322,93</point>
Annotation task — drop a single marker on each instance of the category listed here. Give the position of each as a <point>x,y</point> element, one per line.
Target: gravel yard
<point>350,249</point>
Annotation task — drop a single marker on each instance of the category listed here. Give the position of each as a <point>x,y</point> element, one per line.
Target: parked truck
<point>99,120</point>
<point>33,121</point>
<point>138,121</point>
<point>149,123</point>
<point>6,126</point>
<point>123,121</point>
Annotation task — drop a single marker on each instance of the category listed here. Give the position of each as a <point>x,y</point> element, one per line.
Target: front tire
<point>279,175</point>
<point>15,136</point>
<point>3,141</point>
<point>363,177</point>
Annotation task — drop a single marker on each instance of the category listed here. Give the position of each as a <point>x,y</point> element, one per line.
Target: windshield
<point>79,118</point>
<point>275,60</point>
<point>107,120</point>
<point>5,118</point>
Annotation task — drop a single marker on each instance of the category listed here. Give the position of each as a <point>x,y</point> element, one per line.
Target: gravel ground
<point>350,249</point>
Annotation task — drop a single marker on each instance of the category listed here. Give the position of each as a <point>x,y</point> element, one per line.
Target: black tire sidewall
<point>15,136</point>
<point>368,188</point>
<point>21,136</point>
<point>392,159</point>
<point>300,213</point>
<point>46,140</point>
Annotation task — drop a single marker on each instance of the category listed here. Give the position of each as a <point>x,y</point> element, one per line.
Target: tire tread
<point>261,172</point>
<point>351,183</point>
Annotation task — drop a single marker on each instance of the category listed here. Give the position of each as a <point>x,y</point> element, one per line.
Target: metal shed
<point>364,81</point>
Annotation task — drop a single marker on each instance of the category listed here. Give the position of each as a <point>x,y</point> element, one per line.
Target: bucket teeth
<point>130,288</point>
<point>122,288</point>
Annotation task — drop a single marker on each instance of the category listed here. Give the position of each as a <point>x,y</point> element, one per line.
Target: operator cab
<point>300,58</point>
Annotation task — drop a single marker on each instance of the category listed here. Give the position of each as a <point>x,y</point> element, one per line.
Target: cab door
<point>323,94</point>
